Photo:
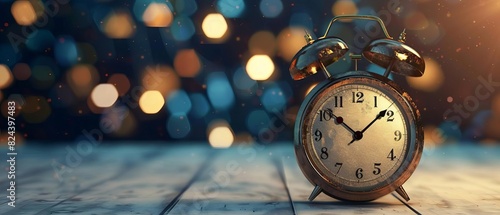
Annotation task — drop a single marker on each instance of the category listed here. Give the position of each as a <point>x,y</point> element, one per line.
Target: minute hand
<point>379,116</point>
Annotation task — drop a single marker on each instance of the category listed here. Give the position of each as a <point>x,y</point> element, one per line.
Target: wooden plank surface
<point>240,181</point>
<point>195,179</point>
<point>39,193</point>
<point>144,188</point>
<point>457,180</point>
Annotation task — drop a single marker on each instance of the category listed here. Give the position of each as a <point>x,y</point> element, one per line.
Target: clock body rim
<point>400,176</point>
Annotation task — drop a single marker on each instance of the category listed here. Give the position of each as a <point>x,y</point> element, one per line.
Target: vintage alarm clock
<point>358,135</point>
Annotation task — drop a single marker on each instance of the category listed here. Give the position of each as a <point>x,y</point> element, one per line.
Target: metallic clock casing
<point>413,149</point>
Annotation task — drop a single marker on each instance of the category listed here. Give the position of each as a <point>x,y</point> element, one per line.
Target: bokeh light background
<point>217,71</point>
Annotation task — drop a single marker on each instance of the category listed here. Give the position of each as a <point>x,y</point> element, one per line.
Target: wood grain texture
<point>457,180</point>
<point>242,180</point>
<point>195,179</point>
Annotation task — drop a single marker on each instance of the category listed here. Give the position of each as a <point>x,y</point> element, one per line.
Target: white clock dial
<point>358,135</point>
<point>358,138</point>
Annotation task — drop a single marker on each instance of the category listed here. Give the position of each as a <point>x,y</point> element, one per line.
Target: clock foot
<point>316,191</point>
<point>402,193</point>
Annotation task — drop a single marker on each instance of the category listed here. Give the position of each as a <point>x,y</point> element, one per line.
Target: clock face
<point>359,135</point>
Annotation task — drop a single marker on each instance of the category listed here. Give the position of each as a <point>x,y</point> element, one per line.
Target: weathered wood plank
<point>454,180</point>
<point>101,165</point>
<point>300,189</point>
<point>242,180</point>
<point>142,190</point>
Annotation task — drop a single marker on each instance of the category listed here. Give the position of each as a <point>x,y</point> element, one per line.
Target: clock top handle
<point>359,17</point>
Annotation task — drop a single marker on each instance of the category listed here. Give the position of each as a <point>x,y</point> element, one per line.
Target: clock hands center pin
<point>358,135</point>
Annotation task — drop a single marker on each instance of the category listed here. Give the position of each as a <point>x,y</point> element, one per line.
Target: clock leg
<point>402,193</point>
<point>316,191</point>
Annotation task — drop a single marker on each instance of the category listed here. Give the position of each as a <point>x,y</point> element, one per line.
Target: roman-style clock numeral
<point>375,101</point>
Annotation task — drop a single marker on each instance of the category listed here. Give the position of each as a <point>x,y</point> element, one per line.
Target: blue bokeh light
<point>65,51</point>
<point>99,13</point>
<point>219,91</point>
<point>186,7</point>
<point>200,105</point>
<point>257,120</point>
<point>271,8</point>
<point>8,55</point>
<point>178,126</point>
<point>182,28</point>
<point>273,98</point>
<point>301,20</point>
<point>40,40</point>
<point>242,81</point>
<point>231,8</point>
<point>178,102</point>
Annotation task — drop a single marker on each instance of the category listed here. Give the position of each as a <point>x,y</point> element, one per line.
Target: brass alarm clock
<point>358,135</point>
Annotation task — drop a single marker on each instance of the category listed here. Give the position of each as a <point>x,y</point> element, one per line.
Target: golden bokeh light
<point>36,109</point>
<point>151,102</point>
<point>433,136</point>
<point>186,63</point>
<point>416,21</point>
<point>81,79</point>
<point>23,12</point>
<point>260,67</point>
<point>119,25</point>
<point>92,107</point>
<point>161,78</point>
<point>290,41</point>
<point>4,137</point>
<point>21,71</point>
<point>104,95</point>
<point>430,34</point>
<point>127,127</point>
<point>344,7</point>
<point>262,43</point>
<point>214,26</point>
<point>81,76</point>
<point>121,82</point>
<point>157,15</point>
<point>220,135</point>
<point>18,99</point>
<point>432,79</point>
<point>6,77</point>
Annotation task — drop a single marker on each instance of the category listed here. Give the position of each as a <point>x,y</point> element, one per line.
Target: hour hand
<point>340,120</point>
